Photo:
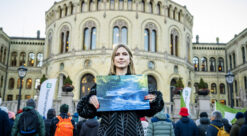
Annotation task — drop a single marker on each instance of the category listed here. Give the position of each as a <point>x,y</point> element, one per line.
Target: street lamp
<point>229,79</point>
<point>22,73</point>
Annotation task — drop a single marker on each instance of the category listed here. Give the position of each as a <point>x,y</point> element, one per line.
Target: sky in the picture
<point>212,18</point>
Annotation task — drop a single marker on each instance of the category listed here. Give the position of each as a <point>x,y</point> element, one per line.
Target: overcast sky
<point>212,18</point>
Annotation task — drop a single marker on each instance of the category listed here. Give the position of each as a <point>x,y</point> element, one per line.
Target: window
<point>196,63</point>
<point>221,65</point>
<point>243,54</point>
<point>174,13</point>
<point>158,8</point>
<point>121,4</point>
<point>222,88</point>
<point>18,83</point>
<point>39,60</point>
<point>22,59</point>
<point>66,10</point>
<point>11,83</point>
<point>129,4</point>
<point>245,83</point>
<point>236,87</point>
<point>152,83</point>
<point>64,43</point>
<point>230,59</point>
<point>1,84</point>
<point>174,42</point>
<point>1,54</point>
<point>168,11</point>
<point>27,97</point>
<point>150,5</point>
<point>82,6</point>
<point>13,58</point>
<point>234,60</point>
<point>9,97</point>
<point>90,5</point>
<point>31,57</point>
<point>4,55</point>
<point>29,83</point>
<point>112,4</point>
<point>150,37</point>
<point>87,82</point>
<point>142,5</point>
<point>71,8</point>
<point>179,15</point>
<point>60,11</point>
<point>213,88</point>
<point>204,64</point>
<point>212,64</point>
<point>89,36</point>
<point>120,32</point>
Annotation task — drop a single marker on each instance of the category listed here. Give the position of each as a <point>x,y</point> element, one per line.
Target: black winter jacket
<point>186,127</point>
<point>204,122</point>
<point>243,129</point>
<point>119,123</point>
<point>89,128</point>
<point>211,130</point>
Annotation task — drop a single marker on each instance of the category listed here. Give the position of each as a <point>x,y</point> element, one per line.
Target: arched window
<point>150,5</point>
<point>129,4</point>
<point>49,45</point>
<point>31,57</point>
<point>169,11</point>
<point>150,37</point>
<point>152,83</point>
<point>120,32</point>
<point>159,8</point>
<point>13,58</point>
<point>172,87</point>
<point>60,12</point>
<point>213,88</point>
<point>196,63</point>
<point>98,4</point>
<point>1,84</point>
<point>90,7</point>
<point>66,10</point>
<point>112,4</point>
<point>22,58</point>
<point>245,83</point>
<point>120,4</point>
<point>87,82</point>
<point>89,36</point>
<point>71,8</point>
<point>142,5</point>
<point>29,83</point>
<point>1,54</point>
<point>230,59</point>
<point>243,54</point>
<point>212,64</point>
<point>174,13</point>
<point>234,60</point>
<point>222,88</point>
<point>18,83</point>
<point>64,43</point>
<point>4,55</point>
<point>204,64</point>
<point>174,42</point>
<point>39,60</point>
<point>82,6</point>
<point>11,83</point>
<point>221,65</point>
<point>188,48</point>
<point>9,97</point>
<point>179,15</point>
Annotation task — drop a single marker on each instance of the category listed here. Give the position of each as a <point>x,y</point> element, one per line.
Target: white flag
<point>46,94</point>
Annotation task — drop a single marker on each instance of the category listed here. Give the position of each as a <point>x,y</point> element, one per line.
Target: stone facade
<point>80,36</point>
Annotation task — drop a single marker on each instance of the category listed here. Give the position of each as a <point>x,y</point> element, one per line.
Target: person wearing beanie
<point>243,129</point>
<point>64,108</point>
<point>29,110</point>
<point>50,115</point>
<point>185,126</point>
<point>202,115</point>
<point>203,123</point>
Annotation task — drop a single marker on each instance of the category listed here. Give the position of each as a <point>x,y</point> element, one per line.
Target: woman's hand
<point>94,100</point>
<point>150,97</point>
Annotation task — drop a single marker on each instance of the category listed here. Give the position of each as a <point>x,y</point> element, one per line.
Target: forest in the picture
<point>119,93</point>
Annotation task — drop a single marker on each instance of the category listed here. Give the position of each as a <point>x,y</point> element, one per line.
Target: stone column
<point>60,85</point>
<point>204,104</point>
<point>67,98</point>
<point>176,107</point>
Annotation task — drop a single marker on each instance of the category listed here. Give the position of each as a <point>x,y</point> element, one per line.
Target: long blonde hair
<point>131,69</point>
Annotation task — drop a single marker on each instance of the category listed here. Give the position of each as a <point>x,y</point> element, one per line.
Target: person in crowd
<point>216,121</point>
<point>185,126</point>
<point>203,123</point>
<point>227,125</point>
<point>19,111</point>
<point>145,123</point>
<point>63,124</point>
<point>75,117</point>
<point>243,129</point>
<point>50,115</point>
<point>202,115</point>
<point>11,118</point>
<point>4,123</point>
<point>238,124</point>
<point>160,125</point>
<point>120,122</point>
<point>89,127</point>
<point>78,126</point>
<point>29,121</point>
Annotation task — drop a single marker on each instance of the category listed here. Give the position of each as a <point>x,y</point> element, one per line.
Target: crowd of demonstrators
<point>243,129</point>
<point>63,123</point>
<point>50,115</point>
<point>236,127</point>
<point>160,125</point>
<point>203,123</point>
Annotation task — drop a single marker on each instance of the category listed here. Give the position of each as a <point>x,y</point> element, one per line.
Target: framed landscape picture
<point>122,93</point>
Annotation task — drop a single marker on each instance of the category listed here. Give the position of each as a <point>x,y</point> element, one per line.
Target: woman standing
<point>119,123</point>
